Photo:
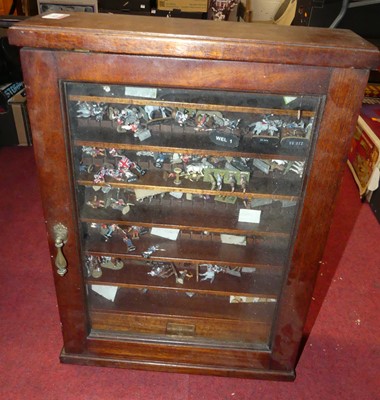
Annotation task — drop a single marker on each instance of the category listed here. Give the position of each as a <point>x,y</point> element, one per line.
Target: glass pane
<point>187,203</point>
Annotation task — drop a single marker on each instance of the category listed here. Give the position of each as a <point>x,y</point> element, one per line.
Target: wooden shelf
<point>134,274</point>
<point>190,217</point>
<point>171,304</point>
<point>260,254</point>
<point>204,318</point>
<point>185,143</point>
<point>188,105</point>
<point>276,189</point>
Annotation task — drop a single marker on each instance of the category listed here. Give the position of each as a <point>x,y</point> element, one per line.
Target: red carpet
<point>341,358</point>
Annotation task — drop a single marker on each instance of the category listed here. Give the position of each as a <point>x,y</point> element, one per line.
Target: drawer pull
<point>60,237</point>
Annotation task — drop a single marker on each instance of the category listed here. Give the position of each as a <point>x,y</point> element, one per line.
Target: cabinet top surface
<point>203,39</point>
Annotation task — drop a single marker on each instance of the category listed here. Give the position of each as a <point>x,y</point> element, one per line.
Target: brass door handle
<point>60,237</point>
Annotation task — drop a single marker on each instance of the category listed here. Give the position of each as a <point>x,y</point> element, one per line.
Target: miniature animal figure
<point>210,273</point>
<point>263,126</point>
<point>128,120</point>
<point>297,167</point>
<point>195,169</point>
<point>295,125</point>
<point>88,110</point>
<point>152,249</point>
<point>181,117</point>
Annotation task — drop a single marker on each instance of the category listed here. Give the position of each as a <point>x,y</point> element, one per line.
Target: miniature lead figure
<point>213,181</point>
<point>152,249</point>
<point>161,269</point>
<point>177,172</point>
<point>219,181</point>
<point>232,182</point>
<point>125,164</point>
<point>179,276</point>
<point>210,273</point>
<point>87,110</point>
<point>137,231</point>
<point>107,231</point>
<point>181,117</point>
<point>93,267</point>
<point>128,119</point>
<point>111,163</point>
<point>117,204</point>
<point>298,167</point>
<point>243,182</point>
<point>127,240</point>
<point>264,126</point>
<point>130,246</point>
<point>95,203</point>
<point>111,263</point>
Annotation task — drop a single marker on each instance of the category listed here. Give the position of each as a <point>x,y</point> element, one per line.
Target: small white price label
<point>250,216</point>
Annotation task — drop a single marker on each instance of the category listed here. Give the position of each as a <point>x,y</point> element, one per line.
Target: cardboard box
<point>45,6</point>
<point>125,6</point>
<point>7,91</point>
<point>14,121</point>
<point>21,120</point>
<point>364,155</point>
<point>183,5</point>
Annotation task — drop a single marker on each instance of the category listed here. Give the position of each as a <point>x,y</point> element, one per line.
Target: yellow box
<point>183,5</point>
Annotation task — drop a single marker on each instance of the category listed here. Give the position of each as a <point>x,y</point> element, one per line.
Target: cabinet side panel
<point>40,75</point>
<point>342,107</point>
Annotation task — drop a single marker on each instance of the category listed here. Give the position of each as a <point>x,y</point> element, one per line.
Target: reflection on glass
<point>187,200</point>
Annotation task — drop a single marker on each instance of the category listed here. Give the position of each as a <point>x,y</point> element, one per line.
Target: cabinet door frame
<point>47,115</point>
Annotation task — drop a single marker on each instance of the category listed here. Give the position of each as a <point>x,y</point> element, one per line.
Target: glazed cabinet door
<point>181,194</point>
<point>187,203</point>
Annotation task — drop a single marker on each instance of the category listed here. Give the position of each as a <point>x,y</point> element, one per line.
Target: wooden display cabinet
<point>188,173</point>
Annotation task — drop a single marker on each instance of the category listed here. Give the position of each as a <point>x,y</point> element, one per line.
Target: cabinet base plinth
<point>93,360</point>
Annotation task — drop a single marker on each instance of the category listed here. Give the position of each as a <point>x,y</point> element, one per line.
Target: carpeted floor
<point>341,358</point>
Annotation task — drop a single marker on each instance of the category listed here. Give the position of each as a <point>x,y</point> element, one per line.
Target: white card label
<point>149,93</point>
<point>233,239</point>
<point>289,99</point>
<point>263,166</point>
<point>143,134</point>
<point>248,270</point>
<point>177,195</point>
<point>108,292</point>
<point>260,202</point>
<point>250,216</point>
<point>55,16</point>
<point>143,193</point>
<point>286,203</point>
<point>246,299</point>
<point>165,233</point>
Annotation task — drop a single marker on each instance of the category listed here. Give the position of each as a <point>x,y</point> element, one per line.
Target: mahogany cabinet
<point>188,172</point>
